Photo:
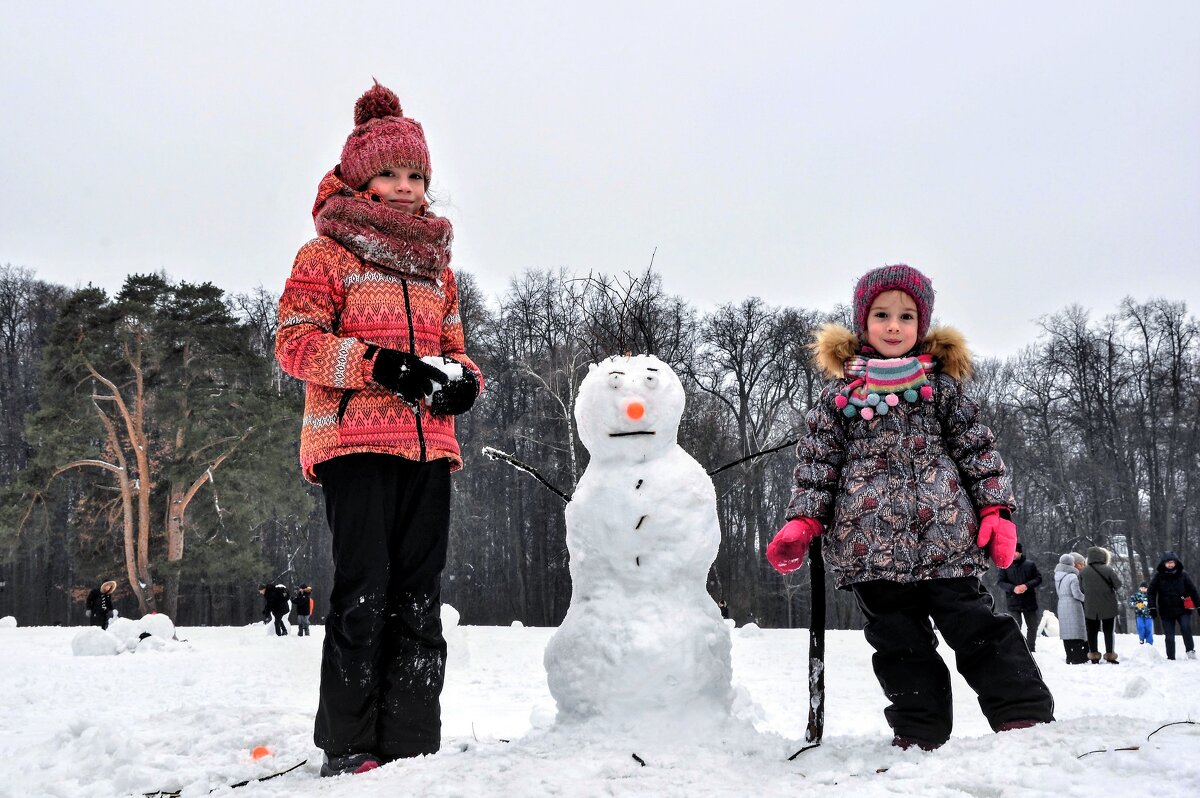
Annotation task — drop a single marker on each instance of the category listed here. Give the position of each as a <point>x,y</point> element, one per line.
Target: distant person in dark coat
<point>275,603</point>
<point>302,602</point>
<point>100,604</point>
<point>1072,627</point>
<point>1173,596</point>
<point>1020,582</point>
<point>1100,585</point>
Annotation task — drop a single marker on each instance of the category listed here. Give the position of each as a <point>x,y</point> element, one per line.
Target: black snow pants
<point>384,657</point>
<point>988,649</point>
<point>1032,618</point>
<point>1093,626</point>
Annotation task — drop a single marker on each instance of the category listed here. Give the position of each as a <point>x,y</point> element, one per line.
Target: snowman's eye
<point>651,380</point>
<point>614,379</point>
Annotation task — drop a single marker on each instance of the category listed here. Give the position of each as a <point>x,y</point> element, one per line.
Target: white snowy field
<point>188,720</point>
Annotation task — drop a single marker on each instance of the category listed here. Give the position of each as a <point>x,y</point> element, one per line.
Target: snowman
<point>642,647</point>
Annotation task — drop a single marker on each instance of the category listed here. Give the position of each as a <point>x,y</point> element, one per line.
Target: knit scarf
<point>417,246</point>
<point>879,384</point>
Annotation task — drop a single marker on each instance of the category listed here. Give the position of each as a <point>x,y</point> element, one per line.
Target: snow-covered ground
<point>188,720</point>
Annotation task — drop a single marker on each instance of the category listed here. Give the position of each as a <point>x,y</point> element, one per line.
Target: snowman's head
<point>628,408</point>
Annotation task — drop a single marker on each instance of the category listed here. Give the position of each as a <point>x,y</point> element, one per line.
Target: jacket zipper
<point>412,348</point>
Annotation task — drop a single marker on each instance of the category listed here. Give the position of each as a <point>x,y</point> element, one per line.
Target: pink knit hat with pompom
<point>383,137</point>
<point>897,277</point>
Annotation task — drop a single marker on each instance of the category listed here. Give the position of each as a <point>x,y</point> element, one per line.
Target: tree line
<point>150,437</point>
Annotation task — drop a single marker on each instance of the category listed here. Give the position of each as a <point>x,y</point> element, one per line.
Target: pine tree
<point>145,398</point>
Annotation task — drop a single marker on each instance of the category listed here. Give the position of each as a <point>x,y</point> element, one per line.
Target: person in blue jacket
<point>1140,602</point>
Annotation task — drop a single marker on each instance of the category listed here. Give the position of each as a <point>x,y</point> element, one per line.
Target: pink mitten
<point>786,552</point>
<point>998,533</point>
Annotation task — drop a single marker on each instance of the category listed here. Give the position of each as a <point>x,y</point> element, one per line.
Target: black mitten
<point>406,374</point>
<point>455,396</point>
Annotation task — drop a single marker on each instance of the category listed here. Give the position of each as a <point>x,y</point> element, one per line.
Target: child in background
<point>904,481</point>
<point>369,319</point>
<point>1140,602</point>
<point>100,604</point>
<point>275,604</point>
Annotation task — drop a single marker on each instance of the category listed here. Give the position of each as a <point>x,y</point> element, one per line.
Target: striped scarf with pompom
<point>877,384</point>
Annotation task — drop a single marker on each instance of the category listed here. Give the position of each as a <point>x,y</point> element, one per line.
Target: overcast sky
<point>1025,155</point>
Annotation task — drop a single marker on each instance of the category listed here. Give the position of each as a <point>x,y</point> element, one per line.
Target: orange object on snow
<point>259,752</point>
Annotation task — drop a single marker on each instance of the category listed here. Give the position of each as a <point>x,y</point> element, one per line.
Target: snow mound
<point>542,716</point>
<point>1143,655</point>
<point>125,630</point>
<point>751,629</point>
<point>150,644</point>
<point>517,625</point>
<point>8,622</point>
<point>95,642</point>
<point>1137,687</point>
<point>458,652</point>
<point>158,625</point>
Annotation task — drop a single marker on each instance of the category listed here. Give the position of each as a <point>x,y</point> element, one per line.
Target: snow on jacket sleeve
<point>306,346</point>
<point>453,345</point>
<point>972,446</point>
<point>820,454</point>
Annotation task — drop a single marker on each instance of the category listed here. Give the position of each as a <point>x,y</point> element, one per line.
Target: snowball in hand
<point>452,369</point>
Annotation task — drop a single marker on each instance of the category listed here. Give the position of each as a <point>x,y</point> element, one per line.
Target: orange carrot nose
<point>635,410</point>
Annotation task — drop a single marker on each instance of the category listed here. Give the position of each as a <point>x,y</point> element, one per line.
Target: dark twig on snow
<point>267,778</point>
<point>640,761</point>
<point>1174,723</point>
<point>1106,750</point>
<point>177,793</point>
<point>802,750</point>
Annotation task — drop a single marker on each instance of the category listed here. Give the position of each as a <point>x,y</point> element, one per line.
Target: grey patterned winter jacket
<point>1071,625</point>
<point>899,495</point>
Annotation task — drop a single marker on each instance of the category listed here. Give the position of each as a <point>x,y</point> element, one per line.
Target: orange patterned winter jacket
<point>334,306</point>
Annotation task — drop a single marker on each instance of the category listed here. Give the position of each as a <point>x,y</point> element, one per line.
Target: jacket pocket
<point>343,403</point>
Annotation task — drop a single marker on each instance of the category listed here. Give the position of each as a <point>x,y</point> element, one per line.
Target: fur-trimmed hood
<point>833,345</point>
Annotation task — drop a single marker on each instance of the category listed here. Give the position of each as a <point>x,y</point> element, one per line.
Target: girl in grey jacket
<point>904,481</point>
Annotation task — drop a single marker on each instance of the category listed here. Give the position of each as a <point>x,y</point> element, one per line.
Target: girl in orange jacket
<point>369,319</point>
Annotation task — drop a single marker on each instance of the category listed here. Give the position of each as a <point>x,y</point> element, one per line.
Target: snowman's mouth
<point>627,434</point>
